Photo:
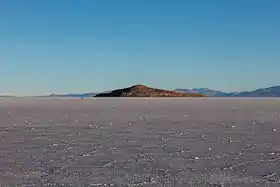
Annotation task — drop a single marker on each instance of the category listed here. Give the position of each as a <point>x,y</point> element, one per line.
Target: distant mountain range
<point>6,96</point>
<point>204,91</point>
<point>73,95</point>
<point>262,92</point>
<point>273,91</point>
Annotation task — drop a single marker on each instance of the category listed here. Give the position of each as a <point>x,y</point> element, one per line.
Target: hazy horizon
<point>93,46</point>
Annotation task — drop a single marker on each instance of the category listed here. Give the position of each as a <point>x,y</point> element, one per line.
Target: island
<point>145,91</point>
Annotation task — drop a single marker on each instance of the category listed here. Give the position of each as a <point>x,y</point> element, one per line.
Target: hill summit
<point>144,91</point>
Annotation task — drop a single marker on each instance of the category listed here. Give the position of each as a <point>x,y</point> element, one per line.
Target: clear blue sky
<point>94,45</point>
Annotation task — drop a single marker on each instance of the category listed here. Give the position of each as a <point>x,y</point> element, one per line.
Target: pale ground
<point>139,142</point>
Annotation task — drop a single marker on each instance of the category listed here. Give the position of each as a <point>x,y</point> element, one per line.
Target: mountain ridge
<point>273,91</point>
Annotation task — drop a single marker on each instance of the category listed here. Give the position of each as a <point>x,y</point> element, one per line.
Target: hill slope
<point>144,91</point>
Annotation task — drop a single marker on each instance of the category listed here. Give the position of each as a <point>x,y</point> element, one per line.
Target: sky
<point>73,46</point>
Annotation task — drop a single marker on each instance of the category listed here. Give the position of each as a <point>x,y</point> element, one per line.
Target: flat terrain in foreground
<point>139,142</point>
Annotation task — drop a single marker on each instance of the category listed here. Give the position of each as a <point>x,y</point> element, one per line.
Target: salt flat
<point>139,142</point>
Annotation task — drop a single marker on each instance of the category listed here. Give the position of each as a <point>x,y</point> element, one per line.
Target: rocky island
<point>144,91</point>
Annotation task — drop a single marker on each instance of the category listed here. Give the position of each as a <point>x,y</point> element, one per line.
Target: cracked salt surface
<point>138,142</point>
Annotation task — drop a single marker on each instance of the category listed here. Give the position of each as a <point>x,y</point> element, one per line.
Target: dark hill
<point>144,91</point>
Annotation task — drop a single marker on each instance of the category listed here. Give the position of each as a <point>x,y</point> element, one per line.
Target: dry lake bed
<point>139,142</point>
